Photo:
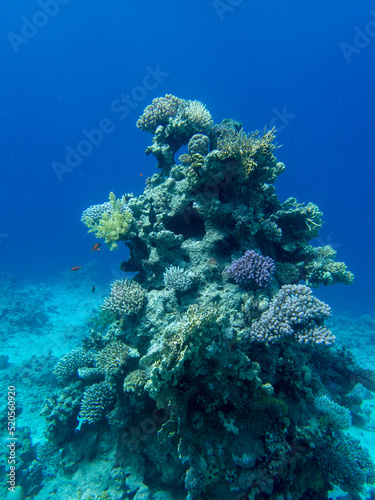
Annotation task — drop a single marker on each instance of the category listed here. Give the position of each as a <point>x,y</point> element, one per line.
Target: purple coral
<point>252,269</point>
<point>294,313</point>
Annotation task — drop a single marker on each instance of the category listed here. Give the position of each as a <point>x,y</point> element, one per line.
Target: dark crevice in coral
<point>191,227</point>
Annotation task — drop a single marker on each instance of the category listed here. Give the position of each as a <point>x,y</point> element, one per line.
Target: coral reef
<point>334,414</point>
<point>294,314</point>
<point>126,298</point>
<point>252,269</point>
<point>204,388</point>
<point>69,364</point>
<point>174,122</point>
<point>346,463</point>
<point>177,279</point>
<point>110,220</point>
<point>96,401</point>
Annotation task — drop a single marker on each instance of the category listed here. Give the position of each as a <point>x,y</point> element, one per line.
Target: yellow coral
<point>246,149</point>
<point>113,225</point>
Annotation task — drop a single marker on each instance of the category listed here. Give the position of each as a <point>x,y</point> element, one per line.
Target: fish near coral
<point>96,247</point>
<point>76,268</point>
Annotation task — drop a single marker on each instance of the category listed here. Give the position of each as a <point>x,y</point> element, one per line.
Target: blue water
<point>252,61</point>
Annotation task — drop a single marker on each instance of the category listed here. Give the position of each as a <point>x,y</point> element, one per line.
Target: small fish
<point>96,247</point>
<point>93,289</point>
<point>76,268</point>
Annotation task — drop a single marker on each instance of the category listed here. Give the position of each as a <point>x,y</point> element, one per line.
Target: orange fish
<point>76,268</point>
<point>96,247</point>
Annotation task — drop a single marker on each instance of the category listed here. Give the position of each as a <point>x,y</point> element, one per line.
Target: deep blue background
<point>250,63</point>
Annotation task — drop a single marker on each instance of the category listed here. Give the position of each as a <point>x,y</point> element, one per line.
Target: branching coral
<point>346,463</point>
<point>322,269</point>
<point>110,221</point>
<point>252,269</point>
<point>335,415</point>
<point>159,112</point>
<point>294,314</point>
<point>114,357</point>
<point>68,365</point>
<point>135,382</point>
<point>96,401</point>
<point>249,150</point>
<point>126,298</point>
<point>177,279</point>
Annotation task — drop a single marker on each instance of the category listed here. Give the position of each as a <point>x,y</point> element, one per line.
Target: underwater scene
<point>187,274</point>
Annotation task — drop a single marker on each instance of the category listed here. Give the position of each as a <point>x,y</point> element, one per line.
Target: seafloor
<point>43,321</point>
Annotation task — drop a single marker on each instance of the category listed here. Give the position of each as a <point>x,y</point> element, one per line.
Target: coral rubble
<point>218,369</point>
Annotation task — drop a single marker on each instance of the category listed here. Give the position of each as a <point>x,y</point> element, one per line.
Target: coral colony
<point>213,375</point>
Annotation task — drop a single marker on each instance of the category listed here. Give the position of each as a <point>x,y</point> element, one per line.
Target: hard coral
<point>177,279</point>
<point>296,315</point>
<point>335,415</point>
<point>96,401</point>
<point>159,113</point>
<point>322,269</point>
<point>68,365</point>
<point>199,143</point>
<point>126,298</point>
<point>114,357</point>
<point>251,151</point>
<point>345,463</point>
<point>252,269</point>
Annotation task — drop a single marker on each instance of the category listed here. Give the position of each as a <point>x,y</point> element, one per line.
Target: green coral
<point>112,225</point>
